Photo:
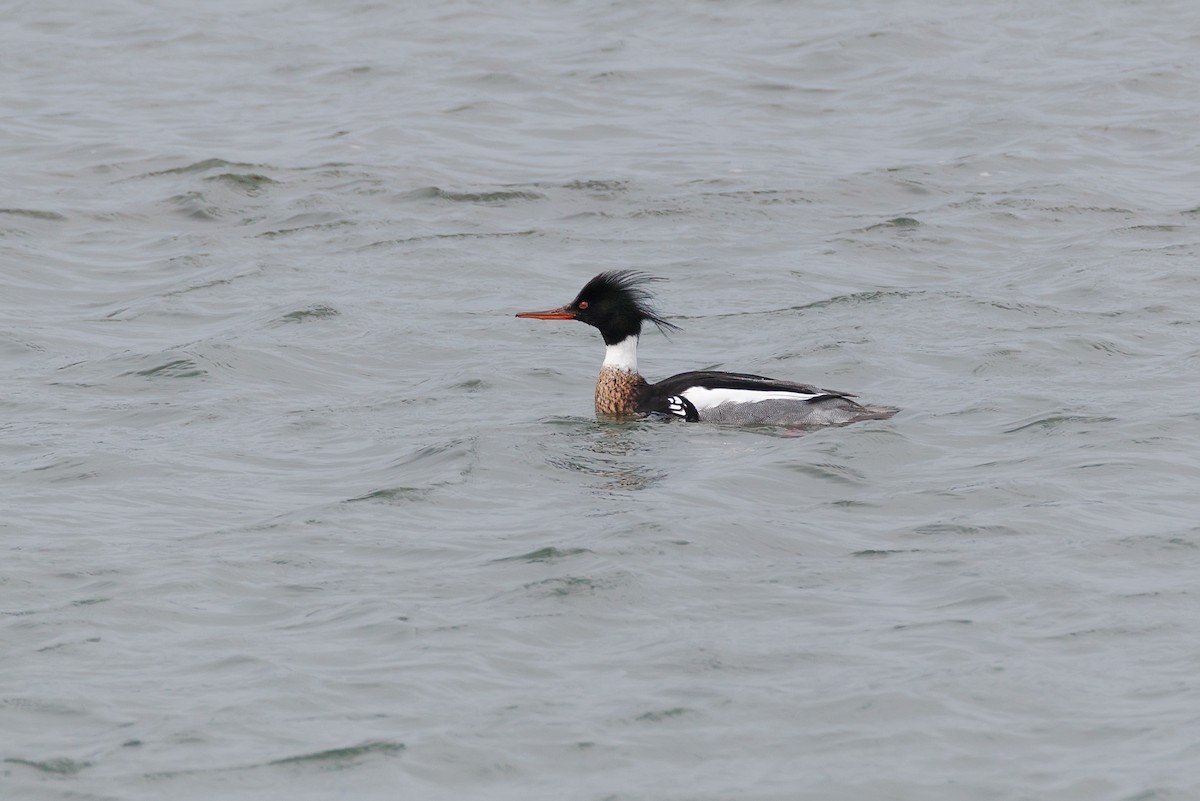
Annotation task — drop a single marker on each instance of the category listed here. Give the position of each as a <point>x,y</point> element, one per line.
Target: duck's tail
<point>873,413</point>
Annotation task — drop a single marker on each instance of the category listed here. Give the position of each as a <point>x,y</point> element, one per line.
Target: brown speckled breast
<point>617,393</point>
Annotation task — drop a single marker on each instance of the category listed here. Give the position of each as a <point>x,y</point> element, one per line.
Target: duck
<point>619,302</point>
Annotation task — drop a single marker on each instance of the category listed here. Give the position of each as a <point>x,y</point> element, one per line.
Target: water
<point>294,508</point>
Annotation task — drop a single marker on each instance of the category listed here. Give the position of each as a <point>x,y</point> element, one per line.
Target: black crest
<point>617,302</point>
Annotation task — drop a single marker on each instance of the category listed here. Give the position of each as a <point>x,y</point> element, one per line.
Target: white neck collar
<point>623,355</point>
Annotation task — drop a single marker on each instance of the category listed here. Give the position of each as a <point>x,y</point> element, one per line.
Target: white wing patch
<point>704,398</point>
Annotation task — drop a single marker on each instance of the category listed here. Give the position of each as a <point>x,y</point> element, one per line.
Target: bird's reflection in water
<point>615,453</point>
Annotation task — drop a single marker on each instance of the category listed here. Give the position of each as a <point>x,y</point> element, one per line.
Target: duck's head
<point>615,302</point>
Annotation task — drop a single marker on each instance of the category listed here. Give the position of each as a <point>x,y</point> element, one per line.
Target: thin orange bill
<point>554,314</point>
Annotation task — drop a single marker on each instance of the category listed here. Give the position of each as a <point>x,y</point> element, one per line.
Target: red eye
<point>583,305</point>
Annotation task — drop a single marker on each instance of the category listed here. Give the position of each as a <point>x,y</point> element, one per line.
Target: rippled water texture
<point>295,508</point>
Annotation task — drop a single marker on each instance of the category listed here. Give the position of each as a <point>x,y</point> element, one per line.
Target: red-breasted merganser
<point>617,303</point>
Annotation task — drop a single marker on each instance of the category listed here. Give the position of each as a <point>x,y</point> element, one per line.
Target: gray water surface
<point>294,508</point>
